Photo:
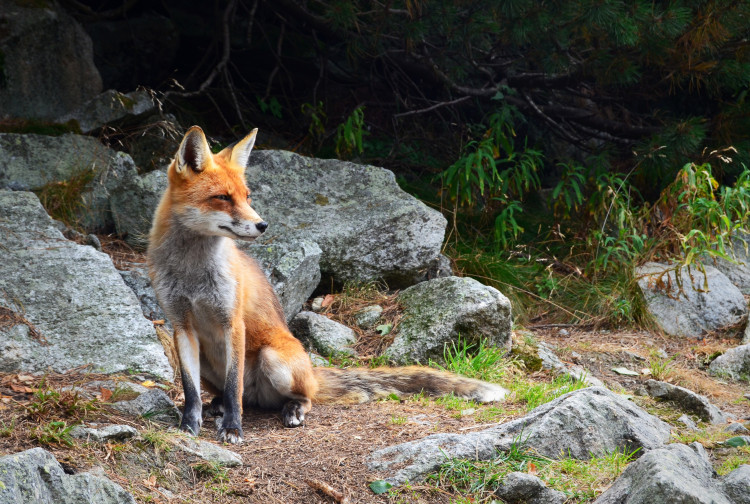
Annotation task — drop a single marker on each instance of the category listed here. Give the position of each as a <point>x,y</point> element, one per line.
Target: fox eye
<point>223,197</point>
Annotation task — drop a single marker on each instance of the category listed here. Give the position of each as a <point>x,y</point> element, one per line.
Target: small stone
<point>105,434</point>
<point>323,335</point>
<point>563,332</point>
<point>736,428</point>
<point>522,487</point>
<point>317,304</point>
<point>154,404</point>
<point>93,241</point>
<point>688,422</point>
<point>368,316</point>
<point>208,451</point>
<point>687,400</point>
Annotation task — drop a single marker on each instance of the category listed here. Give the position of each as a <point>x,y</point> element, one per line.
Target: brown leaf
<point>106,394</point>
<point>327,300</point>
<point>22,389</point>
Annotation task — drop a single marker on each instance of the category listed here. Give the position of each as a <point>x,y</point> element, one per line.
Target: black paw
<point>190,425</point>
<point>215,408</point>
<point>293,415</point>
<point>232,436</point>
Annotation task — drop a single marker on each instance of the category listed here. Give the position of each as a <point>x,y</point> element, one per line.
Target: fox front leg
<point>230,428</point>
<point>187,349</point>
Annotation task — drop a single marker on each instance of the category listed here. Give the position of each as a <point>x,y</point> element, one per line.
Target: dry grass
<point>123,255</point>
<point>344,307</point>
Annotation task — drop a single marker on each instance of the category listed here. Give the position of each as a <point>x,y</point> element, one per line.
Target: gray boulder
<point>366,226</point>
<point>585,422</point>
<point>104,434</point>
<point>154,404</point>
<point>704,304</point>
<point>736,485</point>
<point>323,335</point>
<point>35,477</point>
<point>673,474</point>
<point>47,61</point>
<point>442,310</point>
<point>734,364</point>
<point>293,268</point>
<point>522,488</point>
<point>73,306</point>
<point>28,162</point>
<point>738,271</point>
<point>139,282</point>
<point>687,400</point>
<point>109,107</point>
<point>133,203</point>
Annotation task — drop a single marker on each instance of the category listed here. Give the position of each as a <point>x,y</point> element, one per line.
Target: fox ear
<point>241,150</point>
<point>193,152</point>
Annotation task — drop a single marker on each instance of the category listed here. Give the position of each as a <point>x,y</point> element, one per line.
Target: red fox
<point>229,328</point>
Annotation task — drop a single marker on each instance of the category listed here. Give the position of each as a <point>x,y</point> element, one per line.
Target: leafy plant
<point>57,432</point>
<point>349,134</point>
<point>272,105</point>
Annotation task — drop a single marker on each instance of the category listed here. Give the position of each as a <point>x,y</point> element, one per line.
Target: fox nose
<point>261,226</point>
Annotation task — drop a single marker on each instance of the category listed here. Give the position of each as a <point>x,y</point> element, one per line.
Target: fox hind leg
<point>285,380</point>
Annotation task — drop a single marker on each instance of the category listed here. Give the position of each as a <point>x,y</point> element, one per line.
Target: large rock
<point>293,268</point>
<point>72,295</point>
<point>133,203</point>
<point>29,162</point>
<point>687,400</point>
<point>734,364</point>
<point>674,474</point>
<point>47,66</point>
<point>36,477</point>
<point>139,282</point>
<point>440,310</point>
<point>110,107</point>
<point>323,335</point>
<point>366,226</point>
<point>579,424</point>
<point>703,304</point>
<point>738,272</point>
<point>736,485</point>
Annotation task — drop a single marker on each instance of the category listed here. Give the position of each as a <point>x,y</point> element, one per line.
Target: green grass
<point>533,394</point>
<point>479,361</point>
<point>6,429</point>
<point>661,369</point>
<point>580,480</point>
<point>158,439</point>
<point>733,461</point>
<point>53,433</point>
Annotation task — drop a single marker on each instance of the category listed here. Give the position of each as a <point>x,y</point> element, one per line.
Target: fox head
<point>208,191</point>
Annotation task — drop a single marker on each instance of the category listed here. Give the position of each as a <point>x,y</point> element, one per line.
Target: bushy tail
<point>358,385</point>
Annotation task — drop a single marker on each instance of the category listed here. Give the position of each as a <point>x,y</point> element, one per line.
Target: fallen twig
<point>328,490</point>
